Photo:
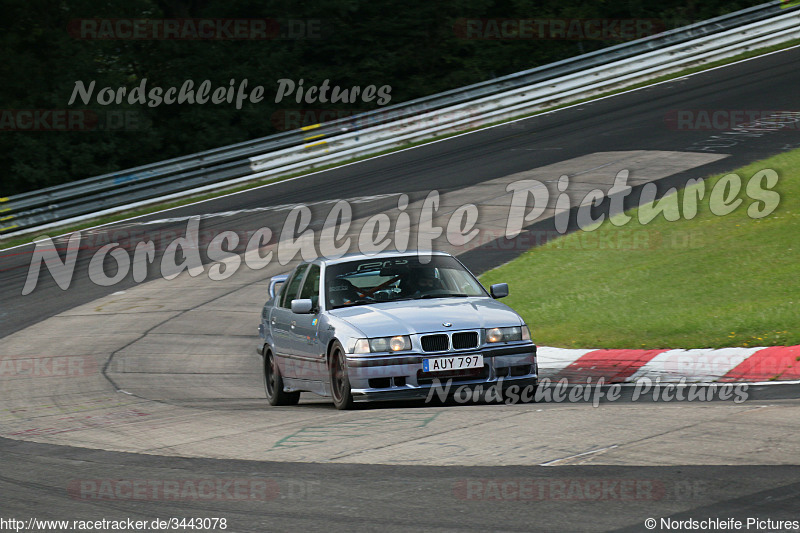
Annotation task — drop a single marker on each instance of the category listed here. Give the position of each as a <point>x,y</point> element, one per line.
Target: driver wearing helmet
<point>421,281</point>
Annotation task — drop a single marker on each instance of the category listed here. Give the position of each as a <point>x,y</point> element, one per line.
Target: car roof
<point>388,254</point>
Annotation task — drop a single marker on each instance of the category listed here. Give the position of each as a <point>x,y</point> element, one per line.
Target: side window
<point>290,287</point>
<point>275,290</point>
<point>311,285</point>
<point>278,287</point>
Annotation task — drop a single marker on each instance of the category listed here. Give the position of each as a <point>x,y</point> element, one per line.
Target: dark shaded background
<point>411,46</point>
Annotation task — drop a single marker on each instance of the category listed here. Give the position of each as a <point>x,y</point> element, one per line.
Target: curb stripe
<point>552,360</point>
<point>703,364</point>
<point>775,363</point>
<point>614,366</point>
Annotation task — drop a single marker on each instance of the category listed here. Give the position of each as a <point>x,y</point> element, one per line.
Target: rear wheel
<point>273,383</point>
<point>340,383</point>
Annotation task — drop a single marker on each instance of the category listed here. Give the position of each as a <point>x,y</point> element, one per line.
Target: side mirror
<point>499,290</point>
<point>302,306</point>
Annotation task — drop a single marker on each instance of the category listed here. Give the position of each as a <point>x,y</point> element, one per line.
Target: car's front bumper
<point>388,377</point>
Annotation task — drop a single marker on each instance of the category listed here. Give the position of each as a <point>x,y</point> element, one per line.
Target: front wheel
<point>273,383</point>
<point>340,382</point>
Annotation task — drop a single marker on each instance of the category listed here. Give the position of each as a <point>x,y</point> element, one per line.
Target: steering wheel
<point>370,292</point>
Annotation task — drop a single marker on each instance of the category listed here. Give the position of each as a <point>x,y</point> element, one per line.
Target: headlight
<point>494,335</point>
<point>379,345</point>
<point>515,333</point>
<point>397,344</point>
<point>383,344</point>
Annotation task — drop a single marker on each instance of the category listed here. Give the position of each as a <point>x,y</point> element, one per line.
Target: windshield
<point>367,281</point>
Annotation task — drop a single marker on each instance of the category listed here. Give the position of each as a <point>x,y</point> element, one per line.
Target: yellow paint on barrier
<point>315,144</point>
<point>313,126</point>
<point>314,137</point>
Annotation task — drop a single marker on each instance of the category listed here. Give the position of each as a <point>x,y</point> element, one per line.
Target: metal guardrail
<point>366,132</point>
<point>540,95</point>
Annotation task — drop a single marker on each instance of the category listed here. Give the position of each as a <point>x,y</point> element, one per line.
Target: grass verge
<point>709,281</point>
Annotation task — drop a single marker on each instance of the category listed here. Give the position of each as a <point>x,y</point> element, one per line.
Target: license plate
<point>456,362</point>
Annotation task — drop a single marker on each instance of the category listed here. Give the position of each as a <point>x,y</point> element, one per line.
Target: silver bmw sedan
<point>389,326</point>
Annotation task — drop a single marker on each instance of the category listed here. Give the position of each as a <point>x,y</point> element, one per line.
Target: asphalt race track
<point>329,497</point>
<point>147,402</point>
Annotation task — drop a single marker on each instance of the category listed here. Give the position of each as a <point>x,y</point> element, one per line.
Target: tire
<point>273,383</point>
<point>340,382</point>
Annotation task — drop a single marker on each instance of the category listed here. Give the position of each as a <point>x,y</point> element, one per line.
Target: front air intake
<point>465,339</point>
<point>435,343</point>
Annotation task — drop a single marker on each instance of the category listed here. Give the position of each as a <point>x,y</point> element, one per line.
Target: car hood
<point>426,316</point>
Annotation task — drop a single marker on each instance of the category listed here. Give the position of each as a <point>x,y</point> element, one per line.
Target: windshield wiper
<point>354,304</point>
<point>429,296</point>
